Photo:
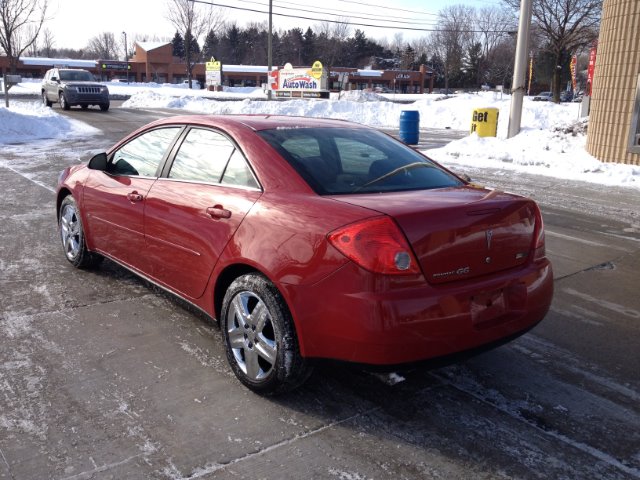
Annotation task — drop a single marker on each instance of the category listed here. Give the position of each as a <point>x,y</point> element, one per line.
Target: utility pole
<point>126,55</point>
<point>520,69</point>
<point>269,49</point>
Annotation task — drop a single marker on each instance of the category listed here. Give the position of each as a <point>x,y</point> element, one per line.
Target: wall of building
<point>613,101</point>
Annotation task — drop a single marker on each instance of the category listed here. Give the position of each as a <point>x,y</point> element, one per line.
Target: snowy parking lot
<point>103,376</point>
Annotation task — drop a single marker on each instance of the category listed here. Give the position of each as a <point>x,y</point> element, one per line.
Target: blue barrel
<point>410,126</point>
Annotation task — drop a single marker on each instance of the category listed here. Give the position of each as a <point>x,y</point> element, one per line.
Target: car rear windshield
<point>352,160</point>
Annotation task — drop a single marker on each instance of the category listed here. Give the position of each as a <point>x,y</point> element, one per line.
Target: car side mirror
<point>54,79</point>
<point>98,162</point>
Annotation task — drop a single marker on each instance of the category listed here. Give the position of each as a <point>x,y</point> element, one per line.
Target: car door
<point>114,200</point>
<point>194,210</point>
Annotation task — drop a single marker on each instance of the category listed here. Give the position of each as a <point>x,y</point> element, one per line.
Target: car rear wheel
<point>72,236</point>
<point>45,100</point>
<point>260,338</point>
<point>63,102</point>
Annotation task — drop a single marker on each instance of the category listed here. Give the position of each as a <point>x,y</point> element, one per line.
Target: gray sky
<point>74,22</point>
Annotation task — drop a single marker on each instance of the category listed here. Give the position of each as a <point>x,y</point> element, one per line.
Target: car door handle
<point>217,211</point>
<point>134,196</point>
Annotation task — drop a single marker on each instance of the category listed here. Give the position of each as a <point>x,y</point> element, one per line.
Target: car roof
<point>258,122</point>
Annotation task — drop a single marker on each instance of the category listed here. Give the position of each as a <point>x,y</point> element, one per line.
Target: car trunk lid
<point>459,233</point>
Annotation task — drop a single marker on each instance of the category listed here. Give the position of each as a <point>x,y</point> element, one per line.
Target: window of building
<point>634,133</point>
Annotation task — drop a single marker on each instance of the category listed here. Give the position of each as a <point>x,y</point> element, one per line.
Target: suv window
<point>76,76</point>
<point>142,155</point>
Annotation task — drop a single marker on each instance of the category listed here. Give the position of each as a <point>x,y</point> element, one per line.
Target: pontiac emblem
<point>489,235</point>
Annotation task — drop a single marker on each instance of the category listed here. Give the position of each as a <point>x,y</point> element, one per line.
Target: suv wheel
<point>63,102</point>
<point>45,100</point>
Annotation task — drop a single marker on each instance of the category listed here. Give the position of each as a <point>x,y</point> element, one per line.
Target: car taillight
<point>539,250</point>
<point>376,244</point>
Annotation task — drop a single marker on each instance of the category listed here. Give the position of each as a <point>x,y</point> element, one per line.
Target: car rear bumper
<point>361,318</point>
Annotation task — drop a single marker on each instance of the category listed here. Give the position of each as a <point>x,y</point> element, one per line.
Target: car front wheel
<point>72,236</point>
<point>45,100</point>
<point>260,338</point>
<point>63,102</point>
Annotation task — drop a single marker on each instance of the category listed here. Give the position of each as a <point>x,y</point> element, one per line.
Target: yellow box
<point>485,122</point>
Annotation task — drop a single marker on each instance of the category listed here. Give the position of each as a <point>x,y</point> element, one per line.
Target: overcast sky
<point>74,22</point>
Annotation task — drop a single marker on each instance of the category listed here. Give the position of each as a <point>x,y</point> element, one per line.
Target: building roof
<point>58,62</point>
<point>148,46</point>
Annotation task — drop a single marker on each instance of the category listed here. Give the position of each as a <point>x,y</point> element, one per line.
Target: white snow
<point>552,141</point>
<point>24,122</point>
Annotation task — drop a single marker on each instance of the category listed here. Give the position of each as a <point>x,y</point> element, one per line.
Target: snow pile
<point>558,151</point>
<point>24,122</point>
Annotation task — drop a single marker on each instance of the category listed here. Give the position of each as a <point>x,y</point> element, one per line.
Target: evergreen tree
<point>210,46</point>
<point>178,45</point>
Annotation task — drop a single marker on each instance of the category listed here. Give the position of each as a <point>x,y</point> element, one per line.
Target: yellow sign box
<point>317,70</point>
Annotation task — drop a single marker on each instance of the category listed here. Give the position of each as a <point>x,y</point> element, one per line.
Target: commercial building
<point>154,62</point>
<point>614,119</point>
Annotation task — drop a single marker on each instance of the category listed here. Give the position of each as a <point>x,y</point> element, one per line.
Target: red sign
<point>573,66</point>
<point>591,68</point>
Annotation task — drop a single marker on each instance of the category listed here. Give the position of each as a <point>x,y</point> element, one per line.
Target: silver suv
<point>72,87</point>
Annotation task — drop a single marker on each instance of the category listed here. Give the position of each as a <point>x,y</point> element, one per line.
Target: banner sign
<point>572,67</point>
<point>592,67</point>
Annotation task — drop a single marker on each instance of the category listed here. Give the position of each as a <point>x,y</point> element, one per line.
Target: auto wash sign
<point>300,82</point>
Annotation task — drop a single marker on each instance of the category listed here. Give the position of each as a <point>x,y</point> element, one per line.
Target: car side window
<point>238,172</point>
<point>202,157</point>
<point>142,155</point>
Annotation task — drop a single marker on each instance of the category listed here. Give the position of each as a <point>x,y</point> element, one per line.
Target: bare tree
<point>192,21</point>
<point>331,40</point>
<point>47,43</point>
<point>567,25</point>
<point>20,24</point>
<point>103,46</point>
<point>451,38</point>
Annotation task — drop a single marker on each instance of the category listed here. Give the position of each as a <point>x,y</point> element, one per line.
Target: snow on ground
<point>24,122</point>
<point>552,141</point>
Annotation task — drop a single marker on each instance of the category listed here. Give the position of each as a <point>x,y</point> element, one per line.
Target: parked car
<point>566,96</point>
<point>70,87</point>
<point>543,97</point>
<point>310,239</point>
<point>195,84</point>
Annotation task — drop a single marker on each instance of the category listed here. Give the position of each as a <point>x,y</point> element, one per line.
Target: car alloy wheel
<point>251,336</point>
<point>72,236</point>
<point>260,338</point>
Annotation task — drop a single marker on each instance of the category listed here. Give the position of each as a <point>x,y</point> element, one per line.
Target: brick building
<point>614,120</point>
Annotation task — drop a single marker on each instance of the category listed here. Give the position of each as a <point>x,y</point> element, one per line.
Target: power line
<point>342,22</point>
<point>388,8</point>
<point>350,14</point>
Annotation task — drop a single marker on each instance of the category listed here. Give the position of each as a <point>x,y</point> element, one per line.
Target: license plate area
<point>488,308</point>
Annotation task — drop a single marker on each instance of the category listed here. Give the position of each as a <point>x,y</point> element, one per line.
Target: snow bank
<point>558,151</point>
<point>33,121</point>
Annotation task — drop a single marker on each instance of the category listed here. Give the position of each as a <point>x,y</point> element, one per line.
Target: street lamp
<point>126,55</point>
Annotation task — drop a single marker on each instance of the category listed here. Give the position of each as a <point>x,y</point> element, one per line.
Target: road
<point>103,376</point>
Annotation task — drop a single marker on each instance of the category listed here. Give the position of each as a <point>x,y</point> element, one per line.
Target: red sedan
<point>310,239</point>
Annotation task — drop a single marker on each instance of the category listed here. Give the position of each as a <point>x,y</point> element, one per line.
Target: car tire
<point>45,100</point>
<point>63,101</point>
<point>84,107</point>
<point>72,236</point>
<point>260,337</point>
<point>104,107</point>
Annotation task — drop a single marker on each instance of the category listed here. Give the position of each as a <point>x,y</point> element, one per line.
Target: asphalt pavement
<point>103,376</point>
